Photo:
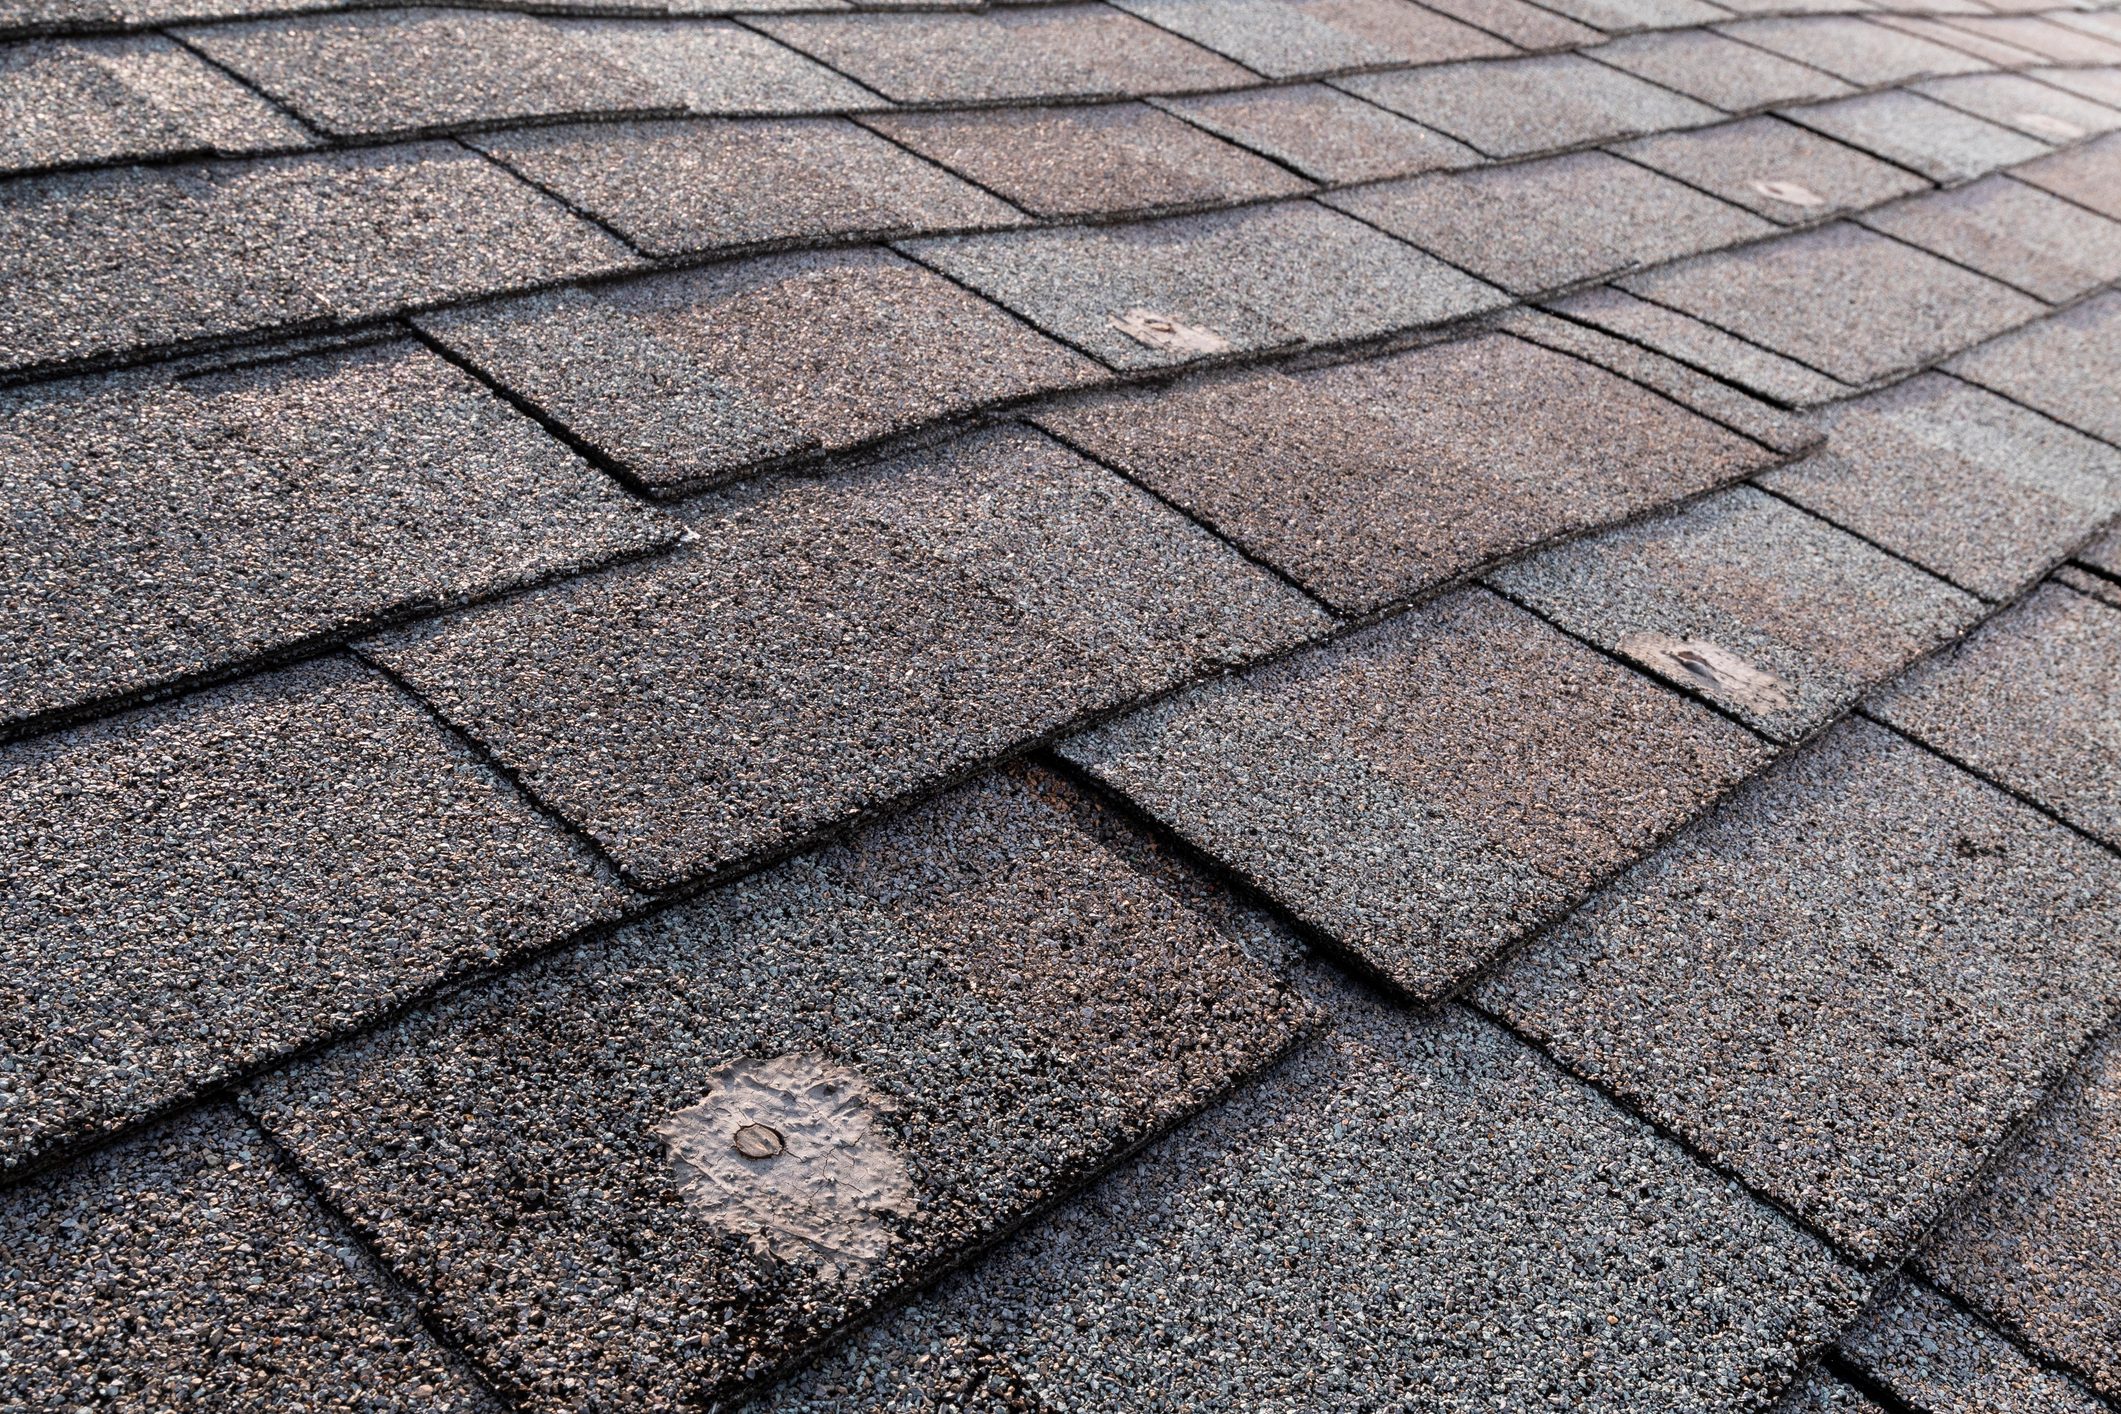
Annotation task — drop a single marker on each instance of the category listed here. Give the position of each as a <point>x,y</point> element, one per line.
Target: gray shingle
<point>1849,985</point>
<point>188,1267</point>
<point>1934,1357</point>
<point>1703,346</point>
<point>1941,143</point>
<point>1041,51</point>
<point>1935,30</point>
<point>1718,70</point>
<point>1168,292</point>
<point>100,100</point>
<point>1865,53</point>
<point>198,889</point>
<point>826,646</point>
<point>2016,233</point>
<point>158,528</point>
<point>107,263</point>
<point>1775,168</point>
<point>718,68</point>
<point>1811,615</point>
<point>2089,175</point>
<point>1082,160</point>
<point>686,379</point>
<point>2039,35</point>
<point>2037,1248</point>
<point>1820,1393</point>
<point>1533,226</point>
<point>1420,825</point>
<point>2033,701</point>
<point>1416,1214</point>
<point>1371,482</point>
<point>1517,107</point>
<point>1323,133</point>
<point>2104,554</point>
<point>2102,86</point>
<point>1530,27</point>
<point>2019,102</point>
<point>1618,16</point>
<point>1842,300</point>
<point>678,188</point>
<point>1004,1006</point>
<point>1964,483</point>
<point>1285,39</point>
<point>2068,366</point>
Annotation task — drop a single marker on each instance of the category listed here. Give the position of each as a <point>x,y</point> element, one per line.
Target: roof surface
<point>1185,705</point>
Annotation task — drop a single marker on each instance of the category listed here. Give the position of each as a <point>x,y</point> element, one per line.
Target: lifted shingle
<point>1285,39</point>
<point>1859,50</point>
<point>1941,143</point>
<point>1775,168</point>
<point>1849,985</point>
<point>2016,233</point>
<point>1323,133</point>
<point>1934,1357</point>
<point>2068,366</point>
<point>1517,107</point>
<point>1718,70</point>
<point>974,1008</point>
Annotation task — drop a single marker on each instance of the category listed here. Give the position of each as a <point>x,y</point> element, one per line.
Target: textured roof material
<point>1285,39</point>
<point>1775,168</point>
<point>1933,1356</point>
<point>1327,135</point>
<point>2027,104</point>
<point>1718,70</point>
<point>2089,175</point>
<point>1704,346</point>
<point>1518,107</point>
<point>1863,52</point>
<point>1941,143</point>
<point>2059,366</point>
<point>2012,232</point>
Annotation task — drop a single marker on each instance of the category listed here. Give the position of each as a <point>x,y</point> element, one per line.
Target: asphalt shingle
<point>1702,346</point>
<point>2037,34</point>
<point>685,379</point>
<point>1370,482</point>
<point>2016,233</point>
<point>188,1268</point>
<point>1082,160</point>
<point>1517,107</point>
<point>718,68</point>
<point>2019,102</point>
<point>679,188</point>
<point>1532,226</point>
<point>1618,16</point>
<point>1926,1352</point>
<point>159,529</point>
<point>1718,70</point>
<point>1843,300</point>
<point>1860,50</point>
<point>2068,366</point>
<point>1820,1393</point>
<point>1761,608</point>
<point>2098,586</point>
<point>2089,175</point>
<point>1849,985</point>
<point>2102,86</point>
<point>941,1026</point>
<point>1327,135</point>
<point>1941,143</point>
<point>2037,1248</point>
<point>826,646</point>
<point>196,889</point>
<point>1172,291</point>
<point>1530,27</point>
<point>1775,168</point>
<point>100,100</point>
<point>1285,39</point>
<point>1419,825</point>
<point>107,263</point>
<point>2104,554</point>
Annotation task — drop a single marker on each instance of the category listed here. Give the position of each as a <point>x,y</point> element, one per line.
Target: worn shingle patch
<point>1538,225</point>
<point>1718,70</point>
<point>1517,107</point>
<point>160,528</point>
<point>1426,791</point>
<point>2019,102</point>
<point>718,68</point>
<point>1843,300</point>
<point>1848,986</point>
<point>117,262</point>
<point>828,645</point>
<point>1327,135</point>
<point>677,188</point>
<point>188,1267</point>
<point>1286,39</point>
<point>1775,168</point>
<point>97,100</point>
<point>1075,161</point>
<point>1701,345</point>
<point>1020,1005</point>
<point>1861,51</point>
<point>1968,485</point>
<point>2068,366</point>
<point>1941,143</point>
<point>1172,291</point>
<point>1370,482</point>
<point>1934,1357</point>
<point>2089,175</point>
<point>2013,232</point>
<point>2033,701</point>
<point>196,889</point>
<point>2037,1247</point>
<point>1759,607</point>
<point>685,379</point>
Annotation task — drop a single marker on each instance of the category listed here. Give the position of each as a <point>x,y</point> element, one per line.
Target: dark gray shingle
<point>1934,1357</point>
<point>1701,345</point>
<point>1323,133</point>
<point>1285,39</point>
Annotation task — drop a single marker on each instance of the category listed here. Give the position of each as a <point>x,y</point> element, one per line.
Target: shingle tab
<point>1775,168</point>
<point>1420,825</point>
<point>1859,50</point>
<point>159,528</point>
<point>1172,291</point>
<point>1042,51</point>
<point>1323,1242</point>
<point>2013,232</point>
<point>198,889</point>
<point>188,1267</point>
<point>1935,30</point>
<point>1932,1356</point>
<point>1532,226</point>
<point>826,646</point>
<point>2089,175</point>
<point>1001,1005</point>
<point>1844,300</point>
<point>1327,135</point>
<point>99,100</point>
<point>2068,366</point>
<point>2039,35</point>
<point>2033,701</point>
<point>679,188</point>
<point>1285,39</point>
<point>2102,86</point>
<point>1941,143</point>
<point>1703,346</point>
<point>1718,70</point>
<point>2019,102</point>
<point>718,68</point>
<point>685,379</point>
<point>1848,986</point>
<point>2037,1247</point>
<point>1762,609</point>
<point>1083,160</point>
<point>1526,26</point>
<point>2104,554</point>
<point>1371,482</point>
<point>108,263</point>
<point>1517,107</point>
<point>1820,1393</point>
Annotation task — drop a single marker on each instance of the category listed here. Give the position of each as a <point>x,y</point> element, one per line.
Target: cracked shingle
<point>717,68</point>
<point>1517,107</point>
<point>1327,135</point>
<point>1775,169</point>
<point>2067,366</point>
<point>2013,232</point>
<point>1718,70</point>
<point>1285,39</point>
<point>1919,133</point>
<point>1934,1357</point>
<point>1856,49</point>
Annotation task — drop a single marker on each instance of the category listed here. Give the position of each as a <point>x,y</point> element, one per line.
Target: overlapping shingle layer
<point>1182,704</point>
